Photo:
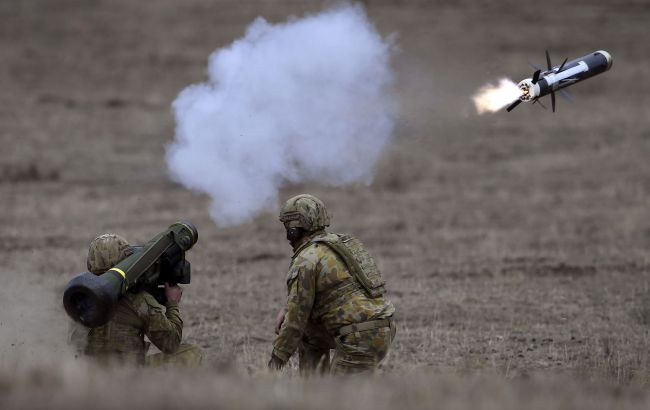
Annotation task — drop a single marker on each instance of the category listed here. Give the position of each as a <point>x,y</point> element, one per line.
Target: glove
<point>275,364</point>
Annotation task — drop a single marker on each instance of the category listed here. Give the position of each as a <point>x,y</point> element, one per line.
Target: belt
<point>363,326</point>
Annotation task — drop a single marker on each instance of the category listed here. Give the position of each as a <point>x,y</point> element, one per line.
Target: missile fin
<point>513,105</point>
<point>533,66</point>
<point>536,76</point>
<point>559,70</point>
<point>567,96</point>
<point>548,60</point>
<point>553,100</point>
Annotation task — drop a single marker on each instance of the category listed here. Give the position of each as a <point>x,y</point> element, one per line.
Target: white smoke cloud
<point>303,101</point>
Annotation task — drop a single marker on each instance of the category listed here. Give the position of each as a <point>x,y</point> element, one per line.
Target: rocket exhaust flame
<point>492,98</point>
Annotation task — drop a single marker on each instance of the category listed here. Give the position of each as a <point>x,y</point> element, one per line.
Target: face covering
<point>294,235</point>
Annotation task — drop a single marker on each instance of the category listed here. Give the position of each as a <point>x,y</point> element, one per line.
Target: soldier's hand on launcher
<point>173,293</point>
<point>279,320</point>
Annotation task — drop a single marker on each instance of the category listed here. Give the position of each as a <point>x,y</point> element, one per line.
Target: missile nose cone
<point>607,56</point>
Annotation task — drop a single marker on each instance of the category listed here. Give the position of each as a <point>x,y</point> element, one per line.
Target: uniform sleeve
<point>164,327</point>
<point>302,290</point>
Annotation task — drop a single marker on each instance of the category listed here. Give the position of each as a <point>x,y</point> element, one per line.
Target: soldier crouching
<point>137,314</point>
<point>335,298</point>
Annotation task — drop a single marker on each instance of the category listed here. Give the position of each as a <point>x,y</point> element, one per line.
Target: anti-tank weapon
<point>545,82</point>
<point>89,299</point>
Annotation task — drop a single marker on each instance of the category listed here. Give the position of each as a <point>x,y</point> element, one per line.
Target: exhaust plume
<point>492,98</point>
<point>302,101</point>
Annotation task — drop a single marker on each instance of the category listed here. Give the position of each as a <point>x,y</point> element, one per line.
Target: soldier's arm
<point>163,326</point>
<point>302,290</point>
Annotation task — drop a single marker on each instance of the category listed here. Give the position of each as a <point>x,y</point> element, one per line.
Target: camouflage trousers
<point>185,355</point>
<point>357,352</point>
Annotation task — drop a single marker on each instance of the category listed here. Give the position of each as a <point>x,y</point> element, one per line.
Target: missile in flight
<point>545,82</point>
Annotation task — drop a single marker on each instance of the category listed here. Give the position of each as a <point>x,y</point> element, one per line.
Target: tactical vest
<point>360,264</point>
<point>122,337</point>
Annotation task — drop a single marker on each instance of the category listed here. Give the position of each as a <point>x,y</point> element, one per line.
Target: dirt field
<point>515,244</point>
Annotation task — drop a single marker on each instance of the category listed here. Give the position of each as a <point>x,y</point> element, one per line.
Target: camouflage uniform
<point>137,314</point>
<point>328,309</point>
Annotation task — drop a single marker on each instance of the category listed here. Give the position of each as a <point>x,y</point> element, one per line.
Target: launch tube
<point>89,299</point>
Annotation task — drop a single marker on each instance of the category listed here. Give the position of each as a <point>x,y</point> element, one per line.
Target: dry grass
<point>515,245</point>
<point>205,389</point>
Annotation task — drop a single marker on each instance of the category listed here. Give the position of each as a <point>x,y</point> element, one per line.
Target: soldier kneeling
<point>137,314</point>
<point>336,298</point>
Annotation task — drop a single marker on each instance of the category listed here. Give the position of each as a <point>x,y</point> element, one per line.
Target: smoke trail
<point>492,98</point>
<point>305,100</point>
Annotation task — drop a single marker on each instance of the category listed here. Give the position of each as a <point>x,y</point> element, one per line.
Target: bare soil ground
<point>515,245</point>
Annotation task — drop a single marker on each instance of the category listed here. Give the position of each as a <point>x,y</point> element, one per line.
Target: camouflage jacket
<point>322,291</point>
<point>136,315</point>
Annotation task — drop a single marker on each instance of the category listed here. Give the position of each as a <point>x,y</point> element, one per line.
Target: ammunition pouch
<point>336,297</point>
<point>363,326</point>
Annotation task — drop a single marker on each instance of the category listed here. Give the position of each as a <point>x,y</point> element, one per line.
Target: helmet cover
<point>304,211</point>
<point>106,251</point>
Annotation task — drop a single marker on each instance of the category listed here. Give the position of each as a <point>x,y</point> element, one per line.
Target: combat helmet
<point>306,212</point>
<point>105,251</point>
